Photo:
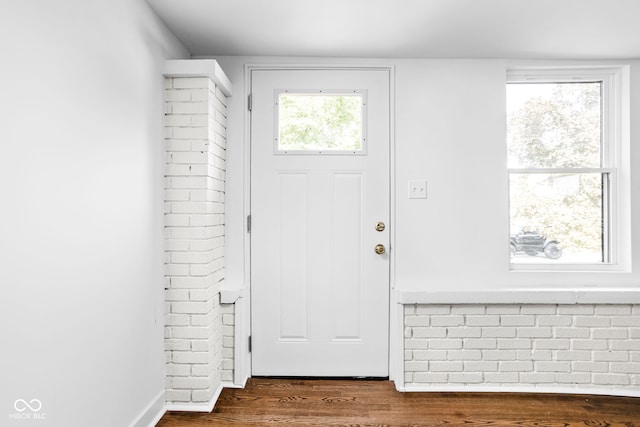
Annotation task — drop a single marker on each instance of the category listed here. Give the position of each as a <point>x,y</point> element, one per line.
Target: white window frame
<point>615,159</point>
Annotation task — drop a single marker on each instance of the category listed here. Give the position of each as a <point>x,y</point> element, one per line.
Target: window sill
<point>522,296</point>
<point>567,268</point>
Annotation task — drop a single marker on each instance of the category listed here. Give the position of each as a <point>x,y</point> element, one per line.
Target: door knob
<point>379,249</point>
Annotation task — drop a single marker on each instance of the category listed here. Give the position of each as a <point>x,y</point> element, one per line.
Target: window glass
<point>554,125</point>
<point>558,185</point>
<point>560,209</point>
<point>320,122</point>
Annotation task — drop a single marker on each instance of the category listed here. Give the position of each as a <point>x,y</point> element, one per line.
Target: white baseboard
<point>152,413</point>
<point>196,407</point>
<point>542,388</point>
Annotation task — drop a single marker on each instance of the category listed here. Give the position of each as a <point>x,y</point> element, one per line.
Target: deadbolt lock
<point>380,226</point>
<point>379,249</point>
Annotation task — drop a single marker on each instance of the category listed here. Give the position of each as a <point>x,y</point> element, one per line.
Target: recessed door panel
<point>292,283</point>
<point>347,228</point>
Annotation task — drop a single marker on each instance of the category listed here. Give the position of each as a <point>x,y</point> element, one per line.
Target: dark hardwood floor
<point>298,402</point>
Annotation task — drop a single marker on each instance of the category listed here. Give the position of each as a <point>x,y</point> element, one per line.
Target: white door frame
<point>243,319</point>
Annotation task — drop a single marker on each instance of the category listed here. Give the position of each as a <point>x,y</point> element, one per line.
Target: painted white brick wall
<point>582,347</point>
<point>195,121</point>
<point>228,339</point>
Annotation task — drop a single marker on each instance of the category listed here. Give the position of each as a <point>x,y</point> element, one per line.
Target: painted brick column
<point>195,127</point>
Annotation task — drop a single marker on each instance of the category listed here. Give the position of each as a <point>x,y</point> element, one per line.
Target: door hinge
<point>249,343</point>
<point>250,102</point>
<point>248,223</point>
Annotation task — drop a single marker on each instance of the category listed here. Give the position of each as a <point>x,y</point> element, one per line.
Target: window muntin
<point>320,122</point>
<point>561,169</point>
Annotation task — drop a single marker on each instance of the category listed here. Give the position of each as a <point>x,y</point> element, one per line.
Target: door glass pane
<point>320,122</point>
<point>564,207</point>
<point>554,125</point>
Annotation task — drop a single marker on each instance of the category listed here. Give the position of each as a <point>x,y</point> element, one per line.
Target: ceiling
<point>528,29</point>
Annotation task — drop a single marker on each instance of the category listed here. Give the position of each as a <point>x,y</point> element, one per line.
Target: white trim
<point>396,312</point>
<point>396,342</point>
<point>196,407</point>
<point>228,384</point>
<point>523,296</point>
<point>319,66</point>
<point>533,388</point>
<point>241,355</point>
<point>152,413</point>
<point>198,68</point>
<point>231,294</point>
<point>561,170</point>
<point>553,73</point>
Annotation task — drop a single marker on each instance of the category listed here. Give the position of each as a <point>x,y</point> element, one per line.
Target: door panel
<point>291,253</point>
<point>320,294</point>
<point>347,245</point>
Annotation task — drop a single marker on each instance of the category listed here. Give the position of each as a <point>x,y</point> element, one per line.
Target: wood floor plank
<point>301,402</point>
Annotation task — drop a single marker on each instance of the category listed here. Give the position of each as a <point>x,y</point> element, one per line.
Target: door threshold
<point>304,378</point>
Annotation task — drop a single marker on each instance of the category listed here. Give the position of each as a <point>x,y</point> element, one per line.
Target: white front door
<point>319,188</point>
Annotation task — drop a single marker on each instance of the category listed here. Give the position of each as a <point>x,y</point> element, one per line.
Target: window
<point>321,122</point>
<point>564,143</point>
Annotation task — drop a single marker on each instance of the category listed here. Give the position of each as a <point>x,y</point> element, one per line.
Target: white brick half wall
<point>567,348</point>
<point>195,122</point>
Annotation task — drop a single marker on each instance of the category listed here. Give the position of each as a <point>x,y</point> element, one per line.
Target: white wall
<point>81,170</point>
<point>450,130</point>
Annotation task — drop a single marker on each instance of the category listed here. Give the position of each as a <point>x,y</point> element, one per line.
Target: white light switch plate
<point>417,189</point>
